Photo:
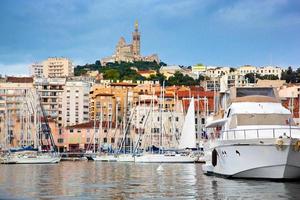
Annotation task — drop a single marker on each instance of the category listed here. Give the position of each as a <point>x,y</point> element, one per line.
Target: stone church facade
<point>129,52</point>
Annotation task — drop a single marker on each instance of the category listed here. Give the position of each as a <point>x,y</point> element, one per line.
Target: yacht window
<point>262,119</point>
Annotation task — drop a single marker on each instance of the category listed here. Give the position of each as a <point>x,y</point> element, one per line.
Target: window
<point>105,140</point>
<point>112,140</point>
<point>71,130</point>
<point>60,140</point>
<point>155,130</point>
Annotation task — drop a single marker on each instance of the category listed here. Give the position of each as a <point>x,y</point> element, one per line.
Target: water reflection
<point>95,180</point>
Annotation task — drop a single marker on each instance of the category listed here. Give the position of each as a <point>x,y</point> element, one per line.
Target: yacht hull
<point>105,158</point>
<point>125,158</point>
<point>161,158</point>
<point>266,161</point>
<point>34,160</point>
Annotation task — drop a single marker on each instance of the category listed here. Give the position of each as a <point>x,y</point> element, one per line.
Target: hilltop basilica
<point>129,52</point>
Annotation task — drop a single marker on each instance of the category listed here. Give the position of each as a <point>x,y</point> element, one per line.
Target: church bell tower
<point>136,40</point>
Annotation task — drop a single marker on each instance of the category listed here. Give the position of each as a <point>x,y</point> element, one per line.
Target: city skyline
<point>226,33</point>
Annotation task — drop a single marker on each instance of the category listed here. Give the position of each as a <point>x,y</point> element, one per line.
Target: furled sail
<point>188,134</point>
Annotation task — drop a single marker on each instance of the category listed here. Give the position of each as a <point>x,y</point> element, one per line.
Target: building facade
<point>75,103</point>
<point>37,70</point>
<point>57,67</point>
<point>130,52</point>
<point>246,69</point>
<point>50,91</point>
<point>270,70</point>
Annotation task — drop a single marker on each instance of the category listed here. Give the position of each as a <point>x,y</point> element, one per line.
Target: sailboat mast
<point>100,131</point>
<point>94,136</point>
<point>152,121</point>
<point>161,116</point>
<point>6,122</point>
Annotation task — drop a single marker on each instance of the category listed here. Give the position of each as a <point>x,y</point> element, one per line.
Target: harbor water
<point>96,180</point>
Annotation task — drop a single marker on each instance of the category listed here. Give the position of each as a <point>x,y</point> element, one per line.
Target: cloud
<point>258,13</point>
<point>178,8</point>
<point>15,69</point>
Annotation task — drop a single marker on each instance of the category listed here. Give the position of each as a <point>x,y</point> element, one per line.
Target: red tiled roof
<point>199,105</point>
<point>11,79</point>
<point>195,94</point>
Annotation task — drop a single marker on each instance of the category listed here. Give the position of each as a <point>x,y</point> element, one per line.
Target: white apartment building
<point>216,71</point>
<point>50,91</point>
<point>57,67</point>
<point>75,103</point>
<point>232,80</point>
<point>270,70</point>
<point>37,70</point>
<point>246,69</point>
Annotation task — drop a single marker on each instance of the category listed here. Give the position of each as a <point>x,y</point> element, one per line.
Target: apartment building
<point>57,67</point>
<point>50,91</point>
<point>75,103</point>
<point>117,97</point>
<point>216,71</point>
<point>270,70</point>
<point>37,70</point>
<point>246,69</point>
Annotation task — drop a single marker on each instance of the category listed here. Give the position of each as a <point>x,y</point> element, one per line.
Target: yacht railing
<point>292,132</point>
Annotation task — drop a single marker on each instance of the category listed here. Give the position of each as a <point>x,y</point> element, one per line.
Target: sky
<point>183,32</point>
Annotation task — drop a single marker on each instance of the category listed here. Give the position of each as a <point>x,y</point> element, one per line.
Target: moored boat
<point>256,138</point>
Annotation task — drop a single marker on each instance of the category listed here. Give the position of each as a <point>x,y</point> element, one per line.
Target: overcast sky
<point>185,32</point>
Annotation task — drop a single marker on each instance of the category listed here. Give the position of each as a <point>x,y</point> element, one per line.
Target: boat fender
<point>214,157</point>
<point>297,145</point>
<point>279,143</point>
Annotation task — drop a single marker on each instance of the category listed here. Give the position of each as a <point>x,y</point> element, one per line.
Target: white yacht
<point>105,158</point>
<point>125,158</point>
<point>255,137</point>
<point>30,157</point>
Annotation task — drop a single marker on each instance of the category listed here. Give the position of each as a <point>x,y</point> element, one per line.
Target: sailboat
<point>187,142</point>
<point>33,154</point>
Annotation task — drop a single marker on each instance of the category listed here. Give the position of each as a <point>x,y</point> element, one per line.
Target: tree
<point>162,64</point>
<point>289,75</point>
<point>98,63</point>
<point>269,77</point>
<point>179,79</point>
<point>232,69</point>
<point>250,77</point>
<point>158,77</point>
<point>200,78</point>
<point>111,74</point>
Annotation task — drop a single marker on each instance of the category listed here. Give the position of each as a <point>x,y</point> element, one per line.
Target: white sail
<point>188,134</point>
